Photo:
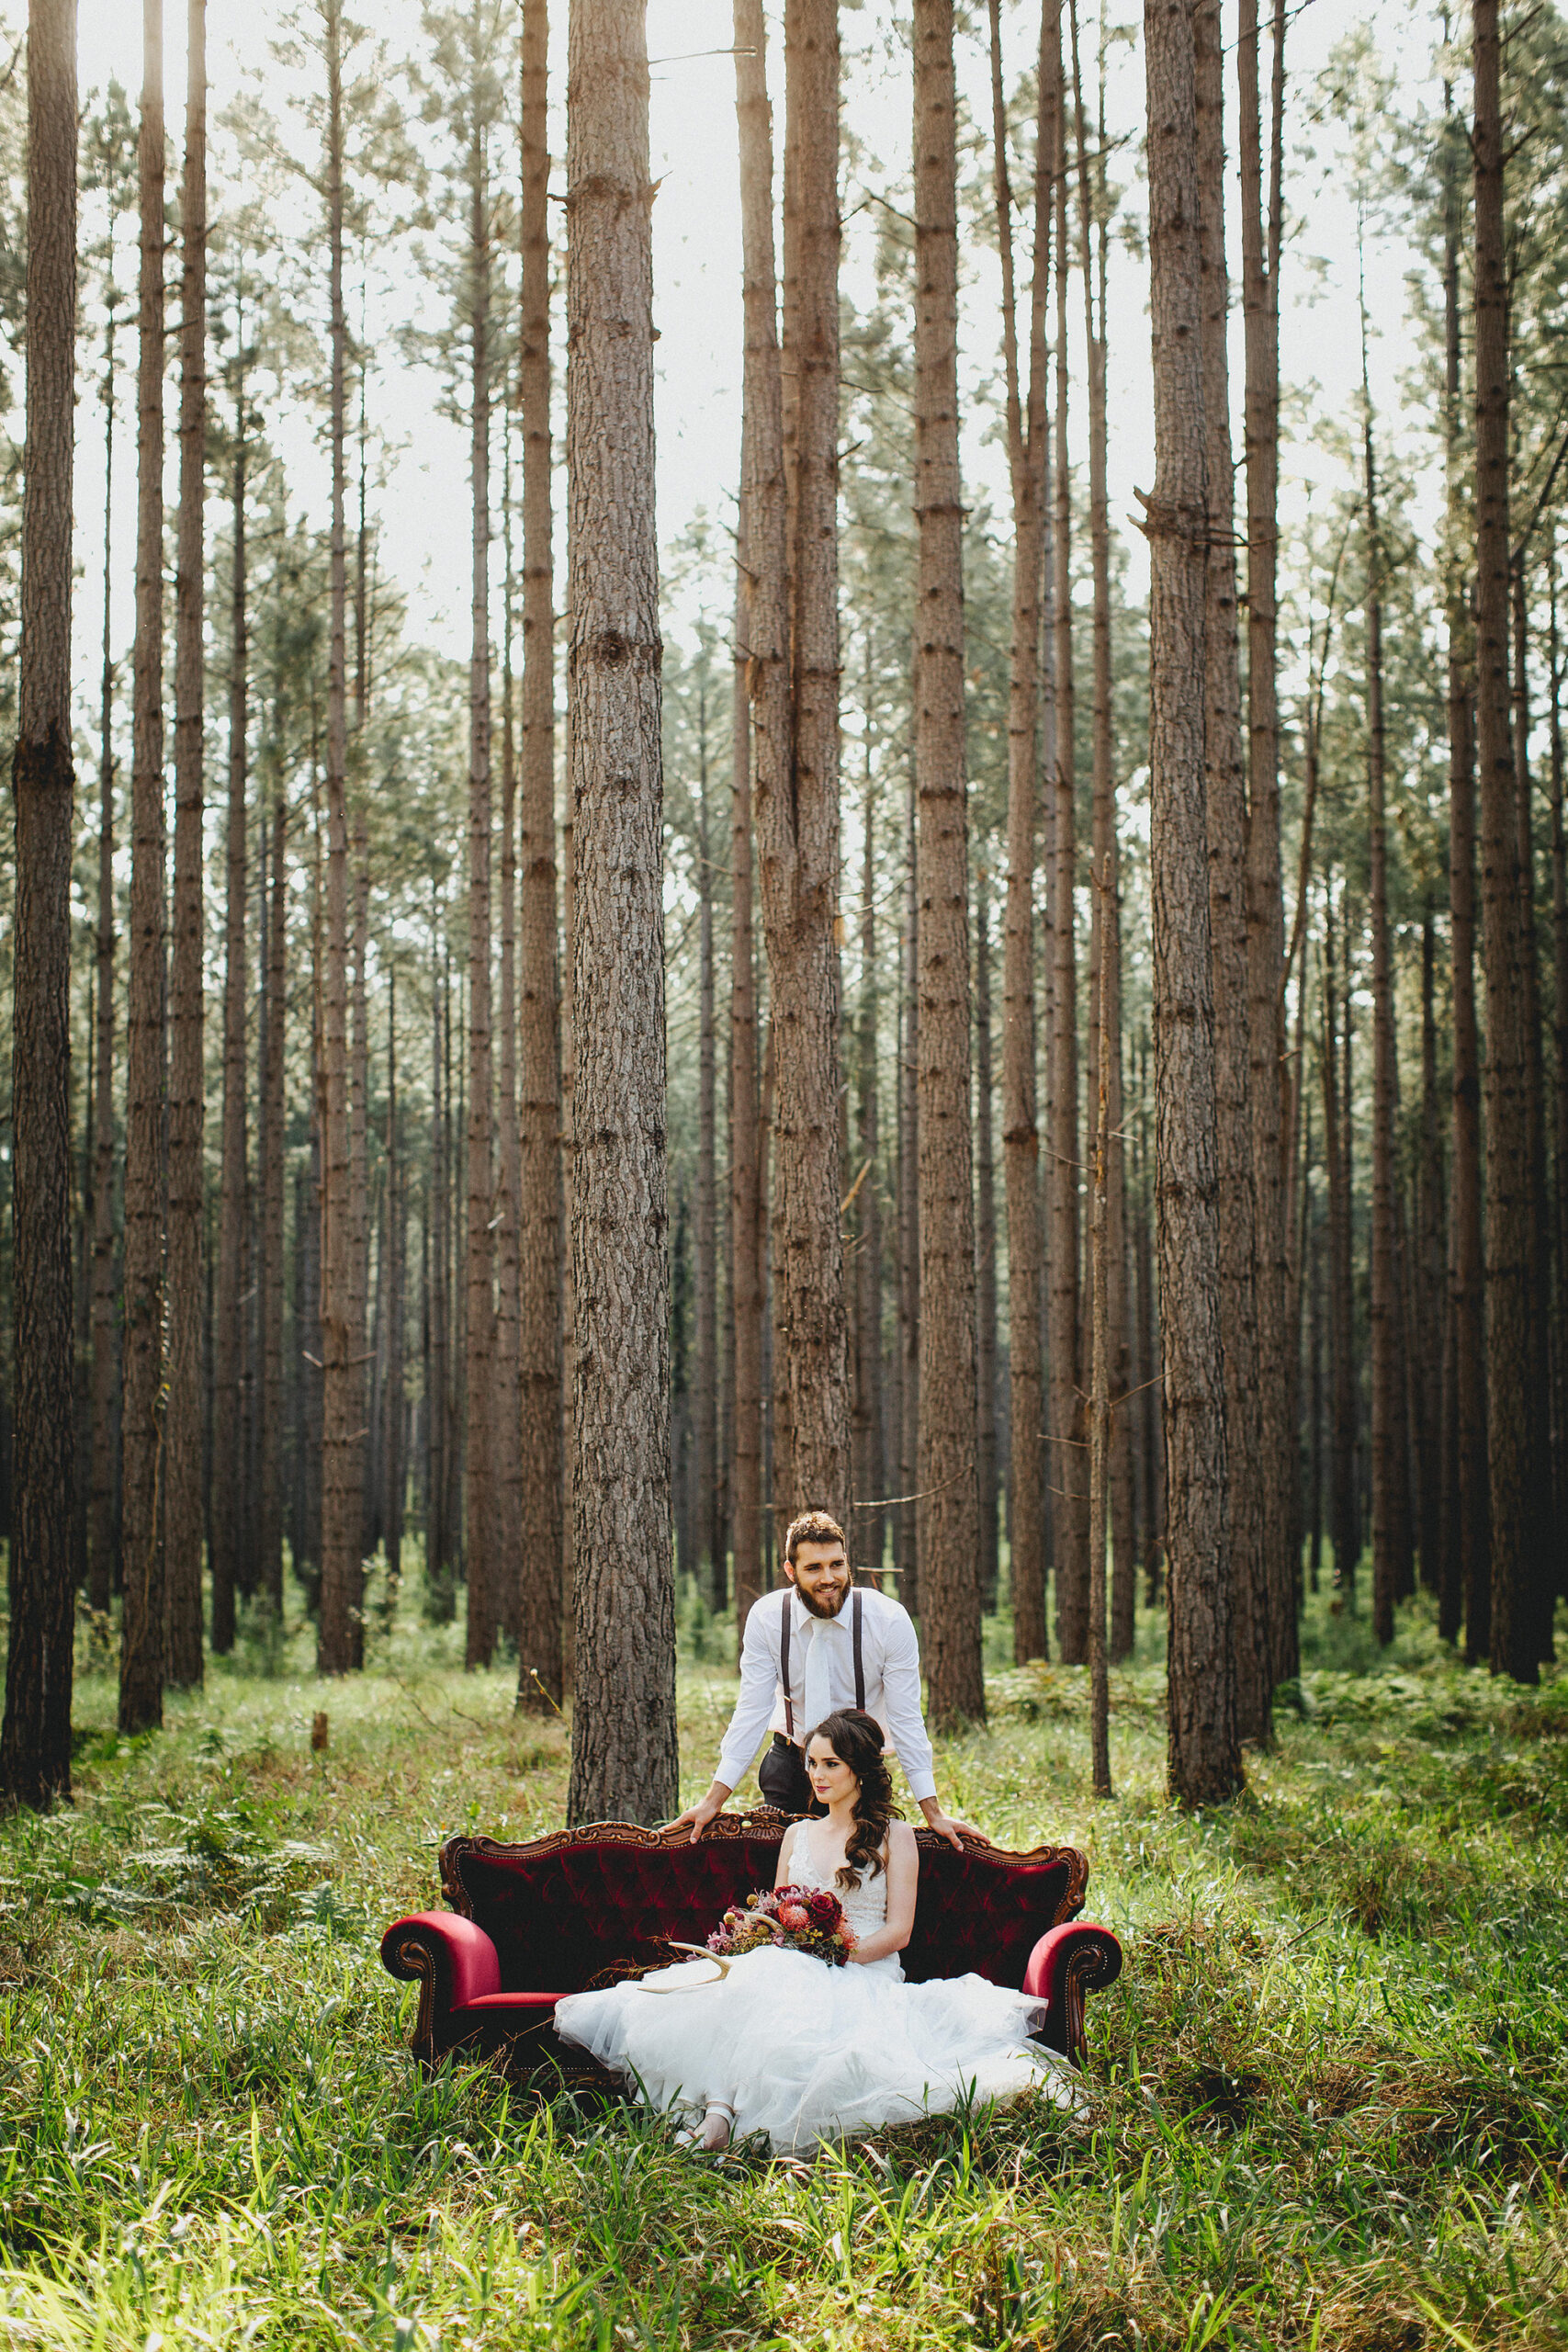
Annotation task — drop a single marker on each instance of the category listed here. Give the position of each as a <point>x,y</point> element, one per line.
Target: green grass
<point>1329,2097</point>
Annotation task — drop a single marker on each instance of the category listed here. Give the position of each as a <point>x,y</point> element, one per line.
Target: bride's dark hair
<point>856,1740</point>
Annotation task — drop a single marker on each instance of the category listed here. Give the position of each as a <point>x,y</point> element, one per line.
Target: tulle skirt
<point>805,2052</point>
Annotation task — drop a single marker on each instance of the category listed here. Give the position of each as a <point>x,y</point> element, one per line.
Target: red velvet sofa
<point>581,1907</point>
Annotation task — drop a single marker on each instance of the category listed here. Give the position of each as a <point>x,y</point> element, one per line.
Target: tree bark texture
<point>342,1510</point>
<point>748,1208</point>
<point>142,1628</point>
<point>1559,1054</point>
<point>542,1588</point>
<point>1099,1358</point>
<point>485,1612</point>
<point>869,1464</point>
<point>1226,794</point>
<point>1509,1239</point>
<point>985,1249</point>
<point>103,1547</point>
<point>1106,899</point>
<point>1468,1580</point>
<point>1538,1378</point>
<point>950,1591</point>
<point>793,635</point>
<point>1341,1362</point>
<point>1020,1123</point>
<point>183,1513</point>
<point>624,1757</point>
<point>1265,894</point>
<point>1390,1489</point>
<point>1068,1424</point>
<point>709,1552</point>
<point>506,1422</point>
<point>228,1533</point>
<point>907,1526</point>
<point>1204,1760</point>
<point>269,1453</point>
<point>1430,1278</point>
<point>35,1740</point>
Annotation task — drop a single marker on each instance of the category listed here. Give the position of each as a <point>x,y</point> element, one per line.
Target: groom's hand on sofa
<point>949,1825</point>
<point>697,1817</point>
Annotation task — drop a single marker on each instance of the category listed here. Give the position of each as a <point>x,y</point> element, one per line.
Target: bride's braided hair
<point>856,1740</point>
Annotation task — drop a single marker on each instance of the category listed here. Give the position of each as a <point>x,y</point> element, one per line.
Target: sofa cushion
<point>521,2007</point>
<point>567,1907</point>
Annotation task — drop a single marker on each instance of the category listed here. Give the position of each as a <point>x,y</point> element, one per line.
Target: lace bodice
<point>866,1906</point>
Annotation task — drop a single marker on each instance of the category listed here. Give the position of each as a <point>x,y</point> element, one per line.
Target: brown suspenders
<point>855,1612</point>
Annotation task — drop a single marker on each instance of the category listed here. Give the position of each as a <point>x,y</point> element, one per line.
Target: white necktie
<point>819,1669</point>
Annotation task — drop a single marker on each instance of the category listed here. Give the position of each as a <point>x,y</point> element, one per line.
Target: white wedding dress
<point>802,2051</point>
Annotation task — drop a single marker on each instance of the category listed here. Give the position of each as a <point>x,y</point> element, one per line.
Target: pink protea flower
<point>795,1916</point>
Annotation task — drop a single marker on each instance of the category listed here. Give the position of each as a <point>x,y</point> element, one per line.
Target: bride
<point>787,2046</point>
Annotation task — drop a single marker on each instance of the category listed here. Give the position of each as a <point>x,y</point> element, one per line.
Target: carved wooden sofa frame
<point>583,1908</point>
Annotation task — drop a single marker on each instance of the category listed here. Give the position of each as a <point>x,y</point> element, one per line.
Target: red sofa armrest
<point>1066,1963</point>
<point>451,1960</point>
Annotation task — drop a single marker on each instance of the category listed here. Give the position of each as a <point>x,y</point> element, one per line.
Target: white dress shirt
<point>890,1655</point>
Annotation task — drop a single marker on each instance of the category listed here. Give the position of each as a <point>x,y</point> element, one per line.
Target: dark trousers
<point>781,1777</point>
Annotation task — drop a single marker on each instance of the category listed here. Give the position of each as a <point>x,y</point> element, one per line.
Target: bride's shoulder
<point>901,1845</point>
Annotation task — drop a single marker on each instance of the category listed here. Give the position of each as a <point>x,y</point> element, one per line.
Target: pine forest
<point>771,756</point>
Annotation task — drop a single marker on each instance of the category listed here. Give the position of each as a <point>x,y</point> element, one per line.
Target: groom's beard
<point>823,1608</point>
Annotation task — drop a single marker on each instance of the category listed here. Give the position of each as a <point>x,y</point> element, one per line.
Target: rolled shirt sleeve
<point>754,1706</point>
<point>901,1699</point>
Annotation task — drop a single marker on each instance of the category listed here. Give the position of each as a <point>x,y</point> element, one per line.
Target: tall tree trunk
<point>1068,1423</point>
<point>1204,1752</point>
<point>1313,1268</point>
<point>35,1741</point>
<point>1430,1276</point>
<point>950,1591</point>
<point>360,1179</point>
<point>870,1466</point>
<point>182,1422</point>
<point>623,1758</point>
<point>709,1553</point>
<point>1509,1241</point>
<point>1559,1054</point>
<point>1265,898</point>
<point>1390,1498</point>
<point>1099,1348</point>
<point>228,1505</point>
<point>1107,898</point>
<point>542,1587</point>
<point>908,1524</point>
<point>393,1454</point>
<point>1021,1126</point>
<point>141,1631</point>
<point>793,633</point>
<point>103,1551</point>
<point>1538,1383</point>
<point>748,1208</point>
<point>985,1249</point>
<point>1225,783</point>
<point>269,1453</point>
<point>483,1568</point>
<point>1341,1362</point>
<point>342,1509</point>
<point>506,1420</point>
<point>1469,1580</point>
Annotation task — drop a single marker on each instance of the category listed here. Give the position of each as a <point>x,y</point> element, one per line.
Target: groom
<point>812,1647</point>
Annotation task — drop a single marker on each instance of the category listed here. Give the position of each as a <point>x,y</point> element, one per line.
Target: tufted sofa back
<point>565,1910</point>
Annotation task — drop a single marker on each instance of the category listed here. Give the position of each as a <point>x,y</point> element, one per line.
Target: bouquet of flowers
<point>798,1918</point>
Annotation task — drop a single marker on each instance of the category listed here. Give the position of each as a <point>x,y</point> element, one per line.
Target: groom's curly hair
<point>857,1741</point>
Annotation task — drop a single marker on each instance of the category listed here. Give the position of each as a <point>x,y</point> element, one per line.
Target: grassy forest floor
<point>1328,2099</point>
